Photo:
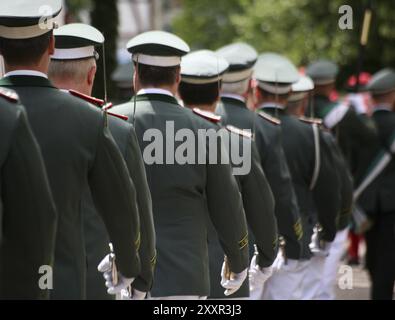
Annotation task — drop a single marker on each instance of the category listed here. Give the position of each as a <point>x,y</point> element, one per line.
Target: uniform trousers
<point>380,241</point>
<point>286,283</point>
<point>311,283</point>
<point>331,267</point>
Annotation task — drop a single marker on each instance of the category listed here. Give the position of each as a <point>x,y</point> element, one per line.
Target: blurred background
<point>301,29</point>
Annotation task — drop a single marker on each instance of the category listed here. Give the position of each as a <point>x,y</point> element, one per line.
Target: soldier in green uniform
<point>184,183</point>
<point>76,146</point>
<point>378,199</point>
<point>310,164</point>
<point>352,129</point>
<point>73,67</point>
<point>351,126</point>
<point>202,73</point>
<point>267,137</point>
<point>320,270</point>
<point>27,212</point>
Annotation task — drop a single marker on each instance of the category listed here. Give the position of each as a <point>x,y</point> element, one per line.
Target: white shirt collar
<point>154,91</point>
<point>233,96</point>
<point>383,107</point>
<point>271,105</point>
<point>26,73</point>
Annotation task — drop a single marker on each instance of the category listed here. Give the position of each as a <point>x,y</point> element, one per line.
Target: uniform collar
<point>25,81</point>
<point>271,105</point>
<point>232,101</point>
<point>33,73</point>
<point>148,91</point>
<point>233,97</point>
<point>382,107</point>
<point>156,95</point>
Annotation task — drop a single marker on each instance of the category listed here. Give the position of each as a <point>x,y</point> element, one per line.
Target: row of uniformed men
<point>298,178</point>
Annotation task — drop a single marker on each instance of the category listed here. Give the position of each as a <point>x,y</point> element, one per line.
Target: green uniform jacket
<point>96,237</point>
<point>300,151</point>
<point>379,196</point>
<point>27,210</point>
<point>352,131</point>
<point>347,186</point>
<point>78,149</point>
<point>182,197</point>
<point>268,141</point>
<point>258,204</point>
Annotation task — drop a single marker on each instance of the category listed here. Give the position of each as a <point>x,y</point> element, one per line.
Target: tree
<point>104,16</point>
<point>73,8</point>
<point>304,30</point>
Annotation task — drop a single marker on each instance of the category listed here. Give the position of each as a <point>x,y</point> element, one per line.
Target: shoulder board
<point>311,120</point>
<point>243,133</point>
<point>269,118</point>
<point>207,115</point>
<point>120,116</point>
<point>95,101</point>
<point>9,95</point>
<point>107,106</point>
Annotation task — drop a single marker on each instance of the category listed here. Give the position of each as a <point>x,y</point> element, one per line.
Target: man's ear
<point>51,47</point>
<point>91,75</point>
<point>178,78</point>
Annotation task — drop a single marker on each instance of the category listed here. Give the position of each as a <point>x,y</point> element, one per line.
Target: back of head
<point>74,60</point>
<point>26,30</point>
<point>157,57</point>
<point>26,52</point>
<point>201,76</point>
<point>70,70</point>
<point>241,58</point>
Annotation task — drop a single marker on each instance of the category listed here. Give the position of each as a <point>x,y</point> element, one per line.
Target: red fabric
<point>355,240</point>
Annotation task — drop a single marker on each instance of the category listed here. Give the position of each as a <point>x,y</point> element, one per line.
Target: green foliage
<point>74,6</point>
<point>104,16</point>
<point>207,23</point>
<point>303,30</point>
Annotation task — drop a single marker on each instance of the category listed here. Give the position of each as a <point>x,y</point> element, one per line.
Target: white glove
<point>258,277</point>
<point>359,101</point>
<point>319,247</point>
<point>135,295</point>
<point>115,286</point>
<point>232,282</point>
<point>279,263</point>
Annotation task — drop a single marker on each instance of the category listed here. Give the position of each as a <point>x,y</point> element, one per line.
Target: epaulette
<point>97,102</point>
<point>269,118</point>
<point>120,116</point>
<point>243,133</point>
<point>9,95</point>
<point>207,115</point>
<point>316,121</point>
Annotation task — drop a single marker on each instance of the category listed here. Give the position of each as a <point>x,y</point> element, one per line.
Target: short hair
<point>239,88</point>
<point>156,76</point>
<point>273,96</point>
<point>24,51</point>
<point>199,94</point>
<point>70,69</point>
